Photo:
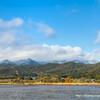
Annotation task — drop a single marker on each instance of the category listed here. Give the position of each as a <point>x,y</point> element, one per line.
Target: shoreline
<point>49,83</point>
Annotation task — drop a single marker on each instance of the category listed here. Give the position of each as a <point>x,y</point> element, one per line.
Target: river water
<point>49,92</point>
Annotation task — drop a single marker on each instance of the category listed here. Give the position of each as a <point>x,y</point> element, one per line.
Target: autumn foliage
<point>68,80</point>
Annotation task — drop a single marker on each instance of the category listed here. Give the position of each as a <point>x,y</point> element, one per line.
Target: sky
<point>50,30</point>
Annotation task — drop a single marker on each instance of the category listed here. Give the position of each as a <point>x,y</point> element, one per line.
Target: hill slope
<point>71,69</point>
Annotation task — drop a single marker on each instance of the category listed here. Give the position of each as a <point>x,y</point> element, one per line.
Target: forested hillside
<point>69,69</point>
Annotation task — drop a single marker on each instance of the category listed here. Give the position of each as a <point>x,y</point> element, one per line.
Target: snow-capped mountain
<point>20,62</point>
<point>32,62</point>
<point>26,62</point>
<point>6,62</point>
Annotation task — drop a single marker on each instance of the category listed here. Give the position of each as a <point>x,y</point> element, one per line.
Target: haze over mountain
<point>20,62</point>
<point>6,62</point>
<point>33,62</point>
<point>26,62</point>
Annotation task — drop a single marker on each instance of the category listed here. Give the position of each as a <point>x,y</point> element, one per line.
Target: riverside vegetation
<point>69,72</point>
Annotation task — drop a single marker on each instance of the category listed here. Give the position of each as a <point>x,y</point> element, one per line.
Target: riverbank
<point>49,83</point>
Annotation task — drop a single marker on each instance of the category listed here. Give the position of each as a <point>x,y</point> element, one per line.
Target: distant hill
<point>71,69</point>
<point>6,62</point>
<point>26,62</point>
<point>33,62</point>
<point>76,61</point>
<point>20,62</point>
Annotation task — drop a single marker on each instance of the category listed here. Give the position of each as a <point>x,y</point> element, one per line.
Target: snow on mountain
<point>20,62</point>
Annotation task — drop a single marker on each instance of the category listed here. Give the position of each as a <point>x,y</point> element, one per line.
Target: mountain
<point>32,62</point>
<point>20,62</point>
<point>75,61</point>
<point>6,62</point>
<point>26,62</point>
<point>85,61</point>
<point>71,69</point>
<point>56,62</point>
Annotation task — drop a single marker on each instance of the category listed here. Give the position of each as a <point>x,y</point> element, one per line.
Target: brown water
<point>47,92</point>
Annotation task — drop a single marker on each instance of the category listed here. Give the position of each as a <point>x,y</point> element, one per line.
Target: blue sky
<point>61,23</point>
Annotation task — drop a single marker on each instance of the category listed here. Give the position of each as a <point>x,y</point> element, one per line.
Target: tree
<point>46,79</point>
<point>53,80</point>
<point>92,76</point>
<point>18,80</point>
<point>68,80</point>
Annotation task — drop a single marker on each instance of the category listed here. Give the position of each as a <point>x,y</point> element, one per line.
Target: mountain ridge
<point>29,61</point>
<point>71,69</point>
<point>20,62</point>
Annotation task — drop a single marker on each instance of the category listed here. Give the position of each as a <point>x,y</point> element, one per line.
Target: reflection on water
<point>47,92</point>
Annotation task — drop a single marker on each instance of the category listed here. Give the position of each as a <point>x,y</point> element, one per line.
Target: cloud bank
<point>47,53</point>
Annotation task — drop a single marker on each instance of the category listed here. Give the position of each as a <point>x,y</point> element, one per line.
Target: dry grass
<point>62,83</point>
<point>51,83</point>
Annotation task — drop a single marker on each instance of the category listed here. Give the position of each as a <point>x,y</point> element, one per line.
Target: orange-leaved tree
<point>68,80</point>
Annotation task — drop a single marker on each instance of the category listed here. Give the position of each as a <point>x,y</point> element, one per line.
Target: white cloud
<point>9,33</point>
<point>48,31</point>
<point>10,37</point>
<point>97,41</point>
<point>94,55</point>
<point>7,37</point>
<point>42,52</point>
<point>47,53</point>
<point>16,22</point>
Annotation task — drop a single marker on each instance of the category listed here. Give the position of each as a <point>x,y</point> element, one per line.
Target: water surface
<point>49,92</point>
